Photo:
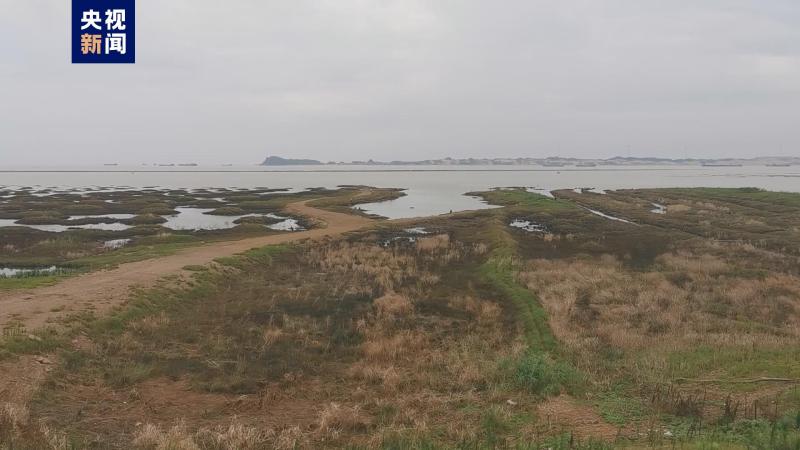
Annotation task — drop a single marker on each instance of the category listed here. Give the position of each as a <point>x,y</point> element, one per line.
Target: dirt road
<point>100,291</point>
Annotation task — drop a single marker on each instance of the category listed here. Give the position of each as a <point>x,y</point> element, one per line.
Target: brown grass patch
<point>393,305</point>
<point>336,418</point>
<point>391,348</point>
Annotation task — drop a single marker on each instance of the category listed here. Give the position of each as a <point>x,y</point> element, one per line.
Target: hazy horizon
<point>406,80</point>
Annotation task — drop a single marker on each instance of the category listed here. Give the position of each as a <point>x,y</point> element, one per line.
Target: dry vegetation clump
<point>389,269</point>
<point>18,431</point>
<point>696,266</point>
<point>234,437</point>
<point>271,335</point>
<point>485,312</point>
<point>335,419</point>
<point>151,323</point>
<point>428,244</point>
<point>380,347</point>
<point>151,437</point>
<point>384,375</point>
<point>369,263</point>
<point>392,305</point>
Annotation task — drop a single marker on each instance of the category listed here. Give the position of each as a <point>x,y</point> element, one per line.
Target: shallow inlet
<point>186,219</point>
<point>527,225</point>
<point>61,228</point>
<point>197,219</point>
<point>15,272</point>
<point>606,216</point>
<point>658,209</point>
<point>542,191</point>
<point>114,244</point>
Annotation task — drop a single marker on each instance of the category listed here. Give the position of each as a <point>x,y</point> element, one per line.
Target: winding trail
<point>100,291</point>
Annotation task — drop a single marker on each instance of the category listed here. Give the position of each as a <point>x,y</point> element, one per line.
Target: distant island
<point>278,161</point>
<point>554,161</point>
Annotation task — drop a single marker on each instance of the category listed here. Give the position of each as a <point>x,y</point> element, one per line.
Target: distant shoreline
<point>549,162</point>
<point>268,170</point>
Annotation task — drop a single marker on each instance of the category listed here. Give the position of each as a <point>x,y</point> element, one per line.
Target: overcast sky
<point>233,81</point>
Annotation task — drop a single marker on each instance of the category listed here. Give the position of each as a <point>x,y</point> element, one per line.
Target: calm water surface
<point>431,189</point>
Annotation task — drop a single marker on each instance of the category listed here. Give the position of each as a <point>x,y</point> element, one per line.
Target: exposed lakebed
<point>53,210</point>
<point>42,226</point>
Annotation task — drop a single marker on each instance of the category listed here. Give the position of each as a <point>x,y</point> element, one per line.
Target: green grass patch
<point>736,363</point>
<point>617,408</point>
<point>344,199</point>
<point>499,271</point>
<point>32,282</point>
<point>261,255</point>
<point>737,195</point>
<point>540,370</point>
<point>38,342</point>
<point>761,434</point>
<point>539,374</point>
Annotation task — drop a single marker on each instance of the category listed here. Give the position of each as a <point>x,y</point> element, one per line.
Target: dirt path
<point>100,291</point>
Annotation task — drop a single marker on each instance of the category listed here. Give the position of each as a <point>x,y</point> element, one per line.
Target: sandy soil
<point>100,291</point>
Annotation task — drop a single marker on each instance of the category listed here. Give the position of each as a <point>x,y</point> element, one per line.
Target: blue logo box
<point>103,32</point>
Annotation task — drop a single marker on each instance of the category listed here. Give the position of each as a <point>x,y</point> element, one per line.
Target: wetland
<point>627,318</point>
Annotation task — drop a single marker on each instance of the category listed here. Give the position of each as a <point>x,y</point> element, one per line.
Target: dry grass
<point>367,262</point>
<point>150,324</point>
<point>151,437</point>
<point>17,431</point>
<point>390,348</point>
<point>290,438</point>
<point>682,302</point>
<point>678,208</point>
<point>384,375</point>
<point>335,344</point>
<point>701,265</point>
<point>179,437</point>
<point>392,305</point>
<point>485,312</point>
<point>428,244</point>
<point>335,419</point>
<point>12,418</point>
<point>390,269</point>
<point>271,335</point>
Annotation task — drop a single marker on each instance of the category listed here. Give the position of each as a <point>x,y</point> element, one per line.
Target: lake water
<point>431,189</point>
<point>198,219</point>
<point>61,228</point>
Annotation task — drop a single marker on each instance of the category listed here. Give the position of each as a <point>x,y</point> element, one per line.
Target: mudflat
<point>100,291</point>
